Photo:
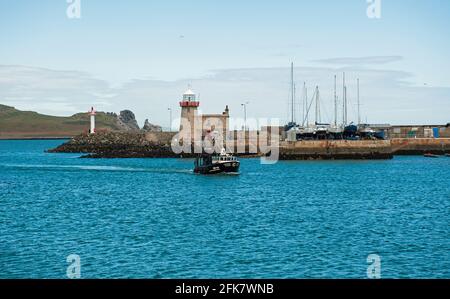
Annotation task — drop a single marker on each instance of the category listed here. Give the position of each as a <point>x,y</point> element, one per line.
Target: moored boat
<point>429,155</point>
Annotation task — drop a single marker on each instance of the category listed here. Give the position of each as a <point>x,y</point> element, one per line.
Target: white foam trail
<point>97,168</point>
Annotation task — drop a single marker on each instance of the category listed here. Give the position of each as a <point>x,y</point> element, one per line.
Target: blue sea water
<point>154,218</point>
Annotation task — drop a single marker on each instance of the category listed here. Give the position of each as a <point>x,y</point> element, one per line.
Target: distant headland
<point>17,124</point>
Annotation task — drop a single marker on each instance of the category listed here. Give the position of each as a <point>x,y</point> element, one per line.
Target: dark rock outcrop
<point>127,121</point>
<point>148,127</point>
<point>117,145</point>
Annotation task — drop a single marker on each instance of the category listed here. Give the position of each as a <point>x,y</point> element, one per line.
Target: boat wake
<point>98,168</point>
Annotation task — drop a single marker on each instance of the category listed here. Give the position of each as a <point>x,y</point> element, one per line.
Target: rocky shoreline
<point>116,145</point>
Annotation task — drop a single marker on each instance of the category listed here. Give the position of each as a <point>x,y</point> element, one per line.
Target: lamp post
<point>170,119</point>
<point>245,114</point>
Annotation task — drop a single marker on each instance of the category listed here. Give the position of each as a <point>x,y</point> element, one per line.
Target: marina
<point>335,130</point>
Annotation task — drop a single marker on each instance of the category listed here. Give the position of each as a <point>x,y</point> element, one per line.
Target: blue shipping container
<point>436,132</point>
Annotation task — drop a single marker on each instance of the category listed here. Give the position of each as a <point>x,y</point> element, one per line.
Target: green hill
<point>27,124</point>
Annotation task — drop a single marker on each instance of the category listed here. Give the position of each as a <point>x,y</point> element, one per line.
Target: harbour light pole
<point>170,119</point>
<point>245,114</point>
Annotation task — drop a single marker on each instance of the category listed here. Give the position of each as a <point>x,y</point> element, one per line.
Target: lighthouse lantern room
<point>189,106</point>
<point>189,100</point>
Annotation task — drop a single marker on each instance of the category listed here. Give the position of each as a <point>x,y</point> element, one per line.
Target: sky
<point>142,55</point>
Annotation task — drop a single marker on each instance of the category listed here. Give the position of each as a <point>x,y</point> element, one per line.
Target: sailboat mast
<point>346,106</point>
<point>317,106</point>
<point>292,92</point>
<point>344,120</point>
<point>304,102</point>
<point>306,106</point>
<point>359,104</point>
<point>335,102</point>
<point>295,104</point>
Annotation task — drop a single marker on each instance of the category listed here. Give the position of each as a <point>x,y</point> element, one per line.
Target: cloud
<point>369,60</point>
<point>51,91</point>
<point>387,96</point>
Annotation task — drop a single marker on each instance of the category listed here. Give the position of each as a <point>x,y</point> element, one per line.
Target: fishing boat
<point>216,163</point>
<point>447,155</point>
<point>429,155</point>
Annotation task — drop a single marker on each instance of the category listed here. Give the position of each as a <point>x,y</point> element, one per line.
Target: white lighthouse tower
<point>189,112</point>
<point>92,114</point>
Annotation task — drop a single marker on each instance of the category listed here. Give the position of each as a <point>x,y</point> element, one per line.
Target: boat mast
<point>335,102</point>
<point>317,106</point>
<point>306,106</point>
<point>346,106</point>
<point>344,102</point>
<point>304,102</point>
<point>295,104</point>
<point>292,93</point>
<point>359,104</point>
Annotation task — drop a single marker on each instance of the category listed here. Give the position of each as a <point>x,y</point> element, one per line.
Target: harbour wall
<point>158,145</point>
<point>420,146</point>
<point>362,149</point>
<point>336,150</point>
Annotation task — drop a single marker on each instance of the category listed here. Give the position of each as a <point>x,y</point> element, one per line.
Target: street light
<point>245,114</point>
<point>170,118</point>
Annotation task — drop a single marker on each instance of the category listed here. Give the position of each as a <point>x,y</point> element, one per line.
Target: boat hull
<point>225,167</point>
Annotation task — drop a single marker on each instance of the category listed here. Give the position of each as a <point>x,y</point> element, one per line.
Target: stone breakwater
<point>336,150</point>
<point>158,145</point>
<point>120,145</point>
<point>125,145</point>
<point>420,146</point>
<point>362,149</point>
